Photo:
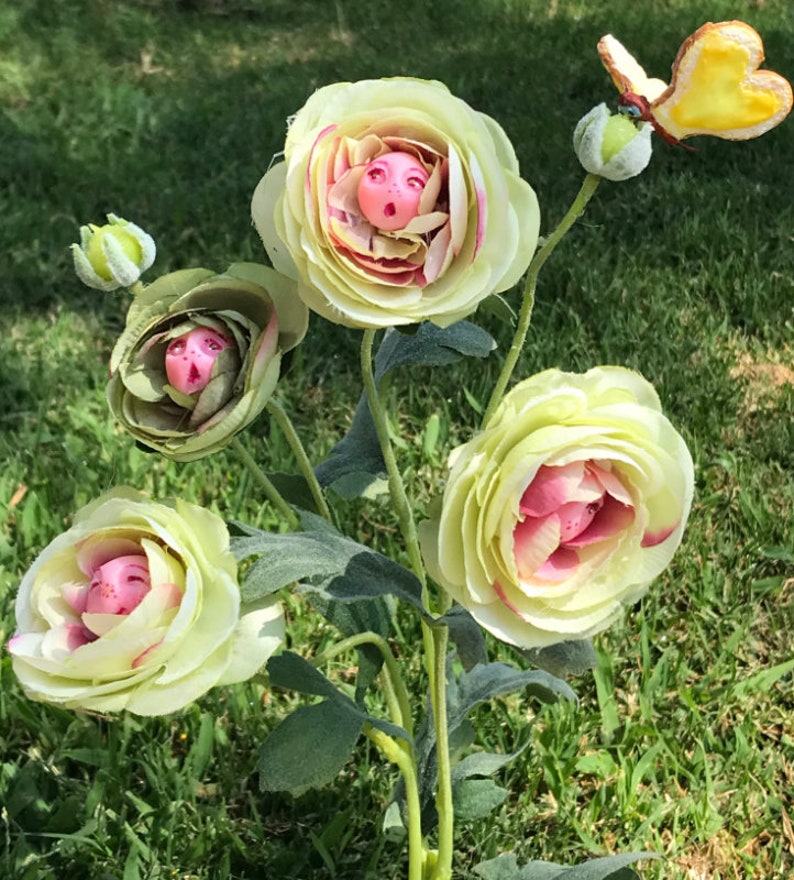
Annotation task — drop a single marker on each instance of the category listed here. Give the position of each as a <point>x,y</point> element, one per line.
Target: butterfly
<point>716,87</point>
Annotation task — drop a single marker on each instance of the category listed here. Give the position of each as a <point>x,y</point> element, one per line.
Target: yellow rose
<point>453,221</point>
<point>137,607</point>
<point>564,509</point>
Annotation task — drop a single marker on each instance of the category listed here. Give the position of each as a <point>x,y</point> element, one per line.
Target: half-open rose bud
<point>200,356</point>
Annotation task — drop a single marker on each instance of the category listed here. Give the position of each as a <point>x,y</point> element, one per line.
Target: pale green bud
<point>114,255</point>
<point>612,146</point>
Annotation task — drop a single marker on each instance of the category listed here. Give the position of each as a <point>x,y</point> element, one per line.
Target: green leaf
<point>476,798</point>
<point>370,615</point>
<point>483,764</point>
<point>467,636</point>
<point>505,867</point>
<point>328,563</point>
<point>292,672</point>
<point>309,748</point>
<point>564,658</point>
<point>491,680</point>
<point>358,452</point>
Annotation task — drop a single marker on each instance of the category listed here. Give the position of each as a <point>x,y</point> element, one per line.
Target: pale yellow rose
<point>471,233</point>
<point>137,607</point>
<point>564,509</point>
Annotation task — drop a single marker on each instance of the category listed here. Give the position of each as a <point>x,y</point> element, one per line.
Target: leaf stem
<point>399,700</point>
<point>288,429</point>
<point>588,188</point>
<point>400,754</point>
<point>261,478</point>
<point>446,818</point>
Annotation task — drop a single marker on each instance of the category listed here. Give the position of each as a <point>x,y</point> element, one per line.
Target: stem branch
<point>588,188</point>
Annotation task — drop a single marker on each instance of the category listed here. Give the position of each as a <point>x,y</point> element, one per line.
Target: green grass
<point>168,113</point>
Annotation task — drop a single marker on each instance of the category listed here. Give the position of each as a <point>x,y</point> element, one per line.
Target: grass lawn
<point>168,112</point>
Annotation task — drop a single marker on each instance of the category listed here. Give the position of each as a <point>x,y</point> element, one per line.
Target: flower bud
<point>612,146</point>
<point>114,255</point>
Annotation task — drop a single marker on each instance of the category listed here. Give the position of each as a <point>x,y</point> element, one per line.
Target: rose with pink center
<point>396,203</point>
<point>137,607</point>
<point>564,509</point>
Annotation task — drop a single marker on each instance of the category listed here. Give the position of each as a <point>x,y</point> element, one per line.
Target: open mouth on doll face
<point>194,375</point>
<point>390,209</point>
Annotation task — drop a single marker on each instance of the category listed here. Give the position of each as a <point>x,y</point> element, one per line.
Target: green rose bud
<point>612,146</point>
<point>200,356</point>
<point>137,607</point>
<point>114,255</point>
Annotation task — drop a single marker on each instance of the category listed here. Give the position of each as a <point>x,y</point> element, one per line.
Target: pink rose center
<point>189,359</point>
<point>118,586</point>
<point>564,511</point>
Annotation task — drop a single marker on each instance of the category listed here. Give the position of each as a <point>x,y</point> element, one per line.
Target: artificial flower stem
<point>588,188</point>
<point>396,486</point>
<point>402,703</point>
<point>446,818</point>
<point>401,756</point>
<point>136,288</point>
<point>288,429</point>
<point>397,491</point>
<point>264,483</point>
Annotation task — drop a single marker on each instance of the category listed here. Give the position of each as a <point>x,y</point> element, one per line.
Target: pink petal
<point>534,540</point>
<point>498,589</point>
<point>651,539</point>
<point>611,483</point>
<point>551,488</point>
<point>611,519</point>
<point>575,517</point>
<point>560,565</point>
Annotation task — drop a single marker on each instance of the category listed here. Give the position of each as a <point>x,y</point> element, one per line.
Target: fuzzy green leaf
<point>309,748</point>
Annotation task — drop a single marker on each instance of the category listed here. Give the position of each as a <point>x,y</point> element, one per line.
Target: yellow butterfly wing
<point>717,88</point>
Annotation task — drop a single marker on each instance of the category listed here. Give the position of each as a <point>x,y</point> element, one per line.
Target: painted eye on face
<point>376,174</point>
<point>177,347</point>
<point>214,343</point>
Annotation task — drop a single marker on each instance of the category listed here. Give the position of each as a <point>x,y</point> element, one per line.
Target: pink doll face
<point>118,586</point>
<point>390,190</point>
<point>189,359</point>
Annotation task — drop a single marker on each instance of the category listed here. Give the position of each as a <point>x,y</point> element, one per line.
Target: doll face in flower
<point>118,586</point>
<point>390,190</point>
<point>189,359</point>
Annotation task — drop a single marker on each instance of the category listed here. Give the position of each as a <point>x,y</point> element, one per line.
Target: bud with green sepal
<point>612,146</point>
<point>112,256</point>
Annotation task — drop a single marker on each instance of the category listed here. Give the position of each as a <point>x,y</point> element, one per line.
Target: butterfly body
<point>716,87</point>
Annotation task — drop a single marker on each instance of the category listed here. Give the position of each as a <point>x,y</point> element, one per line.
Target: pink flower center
<point>118,586</point>
<point>565,511</point>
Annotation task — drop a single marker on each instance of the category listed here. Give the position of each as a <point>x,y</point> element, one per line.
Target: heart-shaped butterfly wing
<point>716,86</point>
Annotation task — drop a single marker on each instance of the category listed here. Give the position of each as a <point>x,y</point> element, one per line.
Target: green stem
<point>396,486</point>
<point>264,483</point>
<point>576,210</point>
<point>288,429</point>
<point>136,288</point>
<point>400,755</point>
<point>396,489</point>
<point>400,705</point>
<point>446,818</point>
